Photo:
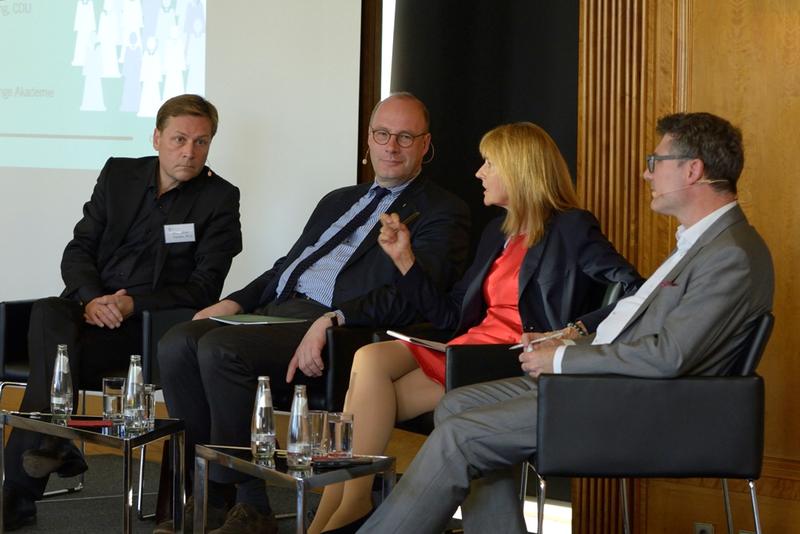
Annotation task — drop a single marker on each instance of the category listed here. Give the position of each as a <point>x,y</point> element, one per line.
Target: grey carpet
<point>98,507</point>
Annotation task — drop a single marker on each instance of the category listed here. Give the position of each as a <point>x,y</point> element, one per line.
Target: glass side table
<point>275,472</point>
<point>111,436</point>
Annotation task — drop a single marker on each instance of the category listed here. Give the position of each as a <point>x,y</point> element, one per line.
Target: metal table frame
<point>173,428</point>
<point>278,474</point>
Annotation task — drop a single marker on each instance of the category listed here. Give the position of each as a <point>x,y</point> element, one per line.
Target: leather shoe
<point>18,510</point>
<point>244,519</point>
<point>65,460</point>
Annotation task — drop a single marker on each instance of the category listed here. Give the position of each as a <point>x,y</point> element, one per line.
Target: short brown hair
<point>180,105</point>
<point>711,139</point>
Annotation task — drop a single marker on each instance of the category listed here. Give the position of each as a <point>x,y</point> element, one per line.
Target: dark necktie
<point>359,219</point>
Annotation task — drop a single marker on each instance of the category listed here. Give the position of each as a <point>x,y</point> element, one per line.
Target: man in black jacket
<point>334,274</point>
<point>158,232</point>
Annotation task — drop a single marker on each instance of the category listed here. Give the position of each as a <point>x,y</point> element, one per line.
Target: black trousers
<point>209,373</point>
<point>93,353</point>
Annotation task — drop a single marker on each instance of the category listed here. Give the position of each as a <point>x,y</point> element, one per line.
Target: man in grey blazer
<point>689,318</point>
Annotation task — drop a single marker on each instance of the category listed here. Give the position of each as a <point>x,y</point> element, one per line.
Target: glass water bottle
<point>61,388</point>
<point>133,403</point>
<point>262,429</point>
<point>298,450</point>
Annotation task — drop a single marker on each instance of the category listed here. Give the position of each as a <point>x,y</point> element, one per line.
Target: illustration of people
<point>85,29</point>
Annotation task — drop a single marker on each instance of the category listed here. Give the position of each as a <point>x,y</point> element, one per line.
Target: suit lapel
<point>126,206</point>
<point>530,265</point>
<point>728,219</point>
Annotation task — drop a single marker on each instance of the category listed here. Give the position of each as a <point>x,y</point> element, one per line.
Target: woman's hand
<point>395,240</point>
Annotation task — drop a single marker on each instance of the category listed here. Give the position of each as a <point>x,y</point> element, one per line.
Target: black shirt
<point>132,267</point>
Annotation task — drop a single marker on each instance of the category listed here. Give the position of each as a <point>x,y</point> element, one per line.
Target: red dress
<point>501,324</point>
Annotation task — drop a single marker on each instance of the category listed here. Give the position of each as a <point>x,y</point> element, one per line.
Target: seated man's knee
<point>175,347</point>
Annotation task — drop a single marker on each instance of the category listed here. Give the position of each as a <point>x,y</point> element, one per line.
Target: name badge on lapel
<point>179,233</point>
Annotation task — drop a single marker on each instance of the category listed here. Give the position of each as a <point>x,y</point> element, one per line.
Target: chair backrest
<point>753,349</point>
<point>617,426</point>
<point>14,319</point>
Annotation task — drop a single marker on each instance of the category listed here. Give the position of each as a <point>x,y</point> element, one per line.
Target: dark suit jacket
<point>186,274</point>
<point>364,289</point>
<point>555,280</point>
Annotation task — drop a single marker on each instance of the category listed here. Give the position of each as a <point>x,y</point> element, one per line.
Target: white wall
<point>284,76</point>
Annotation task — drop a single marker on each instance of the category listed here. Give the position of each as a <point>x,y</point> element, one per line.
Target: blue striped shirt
<point>320,278</point>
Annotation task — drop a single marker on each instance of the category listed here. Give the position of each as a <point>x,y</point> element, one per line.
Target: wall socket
<point>703,528</point>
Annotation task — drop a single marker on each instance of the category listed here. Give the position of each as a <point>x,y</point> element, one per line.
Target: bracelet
<point>579,327</point>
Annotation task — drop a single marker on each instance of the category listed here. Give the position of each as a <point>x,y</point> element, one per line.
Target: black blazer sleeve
<point>445,310</point>
<point>79,263</point>
<point>440,240</point>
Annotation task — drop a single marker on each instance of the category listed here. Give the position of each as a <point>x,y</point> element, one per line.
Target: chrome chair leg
<point>523,483</point>
<point>754,502</point>
<point>623,492</point>
<point>726,498</point>
<point>540,504</point>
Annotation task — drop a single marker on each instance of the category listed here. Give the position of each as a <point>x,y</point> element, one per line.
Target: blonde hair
<point>535,175</point>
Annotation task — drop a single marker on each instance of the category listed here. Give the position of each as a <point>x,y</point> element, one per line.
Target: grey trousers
<point>483,432</point>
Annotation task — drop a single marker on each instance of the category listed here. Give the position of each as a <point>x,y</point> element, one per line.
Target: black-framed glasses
<point>652,158</point>
<point>404,139</point>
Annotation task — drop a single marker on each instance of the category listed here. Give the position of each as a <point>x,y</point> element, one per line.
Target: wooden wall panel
<point>740,59</point>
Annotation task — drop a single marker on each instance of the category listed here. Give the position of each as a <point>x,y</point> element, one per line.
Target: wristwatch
<point>333,317</point>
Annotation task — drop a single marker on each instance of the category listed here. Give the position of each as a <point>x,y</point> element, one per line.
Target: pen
<point>411,218</point>
<point>533,342</point>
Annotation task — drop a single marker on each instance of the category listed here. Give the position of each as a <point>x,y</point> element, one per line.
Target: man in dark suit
<point>334,274</point>
<point>158,232</point>
<point>689,318</point>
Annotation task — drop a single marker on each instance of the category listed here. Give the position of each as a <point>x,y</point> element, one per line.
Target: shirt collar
<point>687,237</point>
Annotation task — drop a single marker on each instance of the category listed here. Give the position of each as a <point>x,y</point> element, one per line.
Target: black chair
<point>695,426</point>
<point>14,365</point>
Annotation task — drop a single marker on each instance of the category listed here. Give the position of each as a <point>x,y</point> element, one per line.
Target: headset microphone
<point>364,161</point>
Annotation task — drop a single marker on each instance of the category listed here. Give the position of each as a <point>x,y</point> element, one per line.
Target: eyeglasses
<point>404,139</point>
<point>652,158</point>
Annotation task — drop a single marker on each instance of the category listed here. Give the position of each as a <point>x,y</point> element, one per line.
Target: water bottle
<point>298,450</point>
<point>262,429</point>
<point>61,388</point>
<point>133,403</point>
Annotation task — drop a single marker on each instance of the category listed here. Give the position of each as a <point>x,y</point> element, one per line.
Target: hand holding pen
<point>530,344</point>
<point>395,239</point>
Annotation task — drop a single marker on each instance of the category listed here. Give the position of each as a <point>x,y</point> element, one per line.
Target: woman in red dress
<point>532,270</point>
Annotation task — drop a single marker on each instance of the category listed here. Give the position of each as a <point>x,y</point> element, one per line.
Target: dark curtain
<point>478,64</point>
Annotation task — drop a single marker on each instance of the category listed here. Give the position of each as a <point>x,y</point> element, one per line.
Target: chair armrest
<point>471,364</point>
<point>15,316</point>
<point>342,344</point>
<point>155,324</point>
<point>615,426</point>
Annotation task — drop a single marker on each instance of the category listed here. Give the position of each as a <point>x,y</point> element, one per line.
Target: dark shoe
<point>65,460</point>
<point>215,518</point>
<point>244,519</point>
<point>352,527</point>
<point>18,510</point>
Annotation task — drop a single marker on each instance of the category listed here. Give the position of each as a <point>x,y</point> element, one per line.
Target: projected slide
<point>82,80</point>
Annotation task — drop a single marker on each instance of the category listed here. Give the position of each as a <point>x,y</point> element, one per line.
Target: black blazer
<point>364,289</point>
<point>555,280</point>
<point>186,274</point>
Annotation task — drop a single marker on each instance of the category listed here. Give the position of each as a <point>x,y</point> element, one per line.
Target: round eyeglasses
<point>404,139</point>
